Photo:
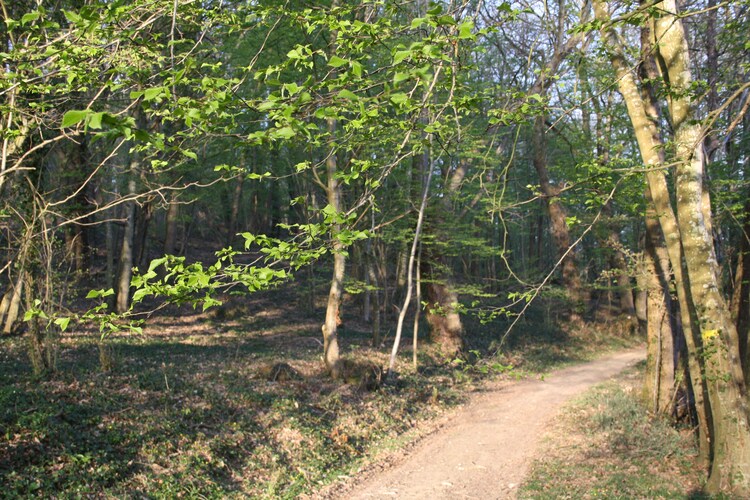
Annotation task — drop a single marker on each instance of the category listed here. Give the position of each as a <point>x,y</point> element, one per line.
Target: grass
<point>607,446</point>
<point>188,412</point>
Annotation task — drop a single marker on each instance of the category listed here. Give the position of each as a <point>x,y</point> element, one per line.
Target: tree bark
<point>13,298</point>
<point>143,216</point>
<point>170,226</point>
<point>706,318</point>
<point>558,227</point>
<point>659,382</point>
<point>446,328</point>
<point>730,469</point>
<point>741,293</point>
<point>415,331</point>
<point>330,327</point>
<point>126,255</point>
<point>643,116</point>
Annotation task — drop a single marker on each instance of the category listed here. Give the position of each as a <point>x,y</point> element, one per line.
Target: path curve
<point>485,451</point>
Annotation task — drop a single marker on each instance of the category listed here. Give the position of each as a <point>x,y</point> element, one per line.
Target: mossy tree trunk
<point>730,468</point>
<point>659,381</point>
<point>711,336</point>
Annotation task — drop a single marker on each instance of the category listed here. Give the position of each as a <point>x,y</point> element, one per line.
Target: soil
<point>484,449</point>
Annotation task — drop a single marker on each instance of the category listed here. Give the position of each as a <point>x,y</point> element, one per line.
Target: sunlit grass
<point>606,445</point>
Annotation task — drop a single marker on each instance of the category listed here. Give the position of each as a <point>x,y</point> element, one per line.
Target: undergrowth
<point>606,445</point>
<point>188,411</point>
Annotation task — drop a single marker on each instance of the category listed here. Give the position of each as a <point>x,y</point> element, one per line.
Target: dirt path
<point>485,450</point>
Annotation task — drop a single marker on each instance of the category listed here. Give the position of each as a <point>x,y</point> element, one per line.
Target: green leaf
<point>72,17</point>
<point>356,69</point>
<point>30,17</point>
<point>465,30</point>
<point>399,98</point>
<point>73,117</point>
<point>400,55</point>
<point>249,239</point>
<point>337,62</point>
<point>348,94</point>
<point>446,21</point>
<point>139,294</point>
<point>156,263</point>
<point>93,294</point>
<point>292,88</point>
<point>152,93</point>
<point>62,323</point>
<point>95,120</point>
<point>284,133</point>
<point>400,77</point>
<point>254,177</point>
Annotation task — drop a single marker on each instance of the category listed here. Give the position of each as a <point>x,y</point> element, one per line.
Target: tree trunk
<point>659,381</point>
<point>376,310</point>
<point>13,298</point>
<point>109,241</point>
<point>643,113</point>
<point>415,332</point>
<point>371,281</point>
<point>619,264</point>
<point>730,469</point>
<point>330,327</point>
<point>723,414</point>
<point>446,329</point>
<point>125,272</point>
<point>558,227</point>
<point>143,216</point>
<point>170,226</point>
<point>234,209</point>
<point>741,293</point>
<point>78,244</point>
<point>410,271</point>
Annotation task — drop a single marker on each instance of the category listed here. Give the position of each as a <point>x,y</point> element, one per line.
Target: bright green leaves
<point>71,118</point>
<point>400,55</point>
<point>100,294</point>
<point>348,94</point>
<point>292,88</point>
<point>361,88</point>
<point>337,62</point>
<point>300,55</point>
<point>72,17</point>
<point>466,31</point>
<point>97,120</point>
<point>399,98</point>
<point>30,17</point>
<point>152,94</point>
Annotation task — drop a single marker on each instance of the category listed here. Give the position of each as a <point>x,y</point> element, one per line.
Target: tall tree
<point>706,316</point>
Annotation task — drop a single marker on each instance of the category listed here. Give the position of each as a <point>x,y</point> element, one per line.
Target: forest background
<point>473,161</point>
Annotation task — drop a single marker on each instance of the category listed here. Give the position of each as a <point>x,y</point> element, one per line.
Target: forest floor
<point>485,449</point>
<point>197,407</point>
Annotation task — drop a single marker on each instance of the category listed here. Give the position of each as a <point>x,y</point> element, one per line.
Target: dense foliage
<point>476,156</point>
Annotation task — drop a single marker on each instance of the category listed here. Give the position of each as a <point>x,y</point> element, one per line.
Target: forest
<point>244,240</point>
